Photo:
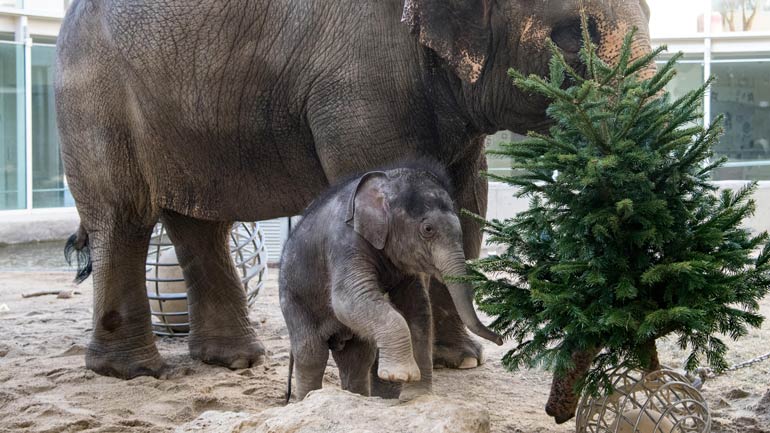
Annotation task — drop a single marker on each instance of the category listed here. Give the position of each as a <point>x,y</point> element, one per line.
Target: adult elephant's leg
<point>453,347</point>
<point>355,361</point>
<point>122,344</point>
<point>412,300</point>
<point>97,121</point>
<point>220,330</point>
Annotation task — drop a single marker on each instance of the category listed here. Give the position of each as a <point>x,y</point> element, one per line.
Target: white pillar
<point>23,127</point>
<point>707,63</point>
<point>28,113</point>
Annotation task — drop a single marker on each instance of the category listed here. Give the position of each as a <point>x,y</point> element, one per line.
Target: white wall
<point>761,219</point>
<point>502,204</point>
<point>58,224</point>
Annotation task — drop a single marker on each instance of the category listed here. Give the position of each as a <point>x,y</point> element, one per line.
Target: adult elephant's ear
<point>457,30</point>
<point>368,210</point>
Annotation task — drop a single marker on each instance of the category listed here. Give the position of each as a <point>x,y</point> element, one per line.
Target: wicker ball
<point>166,288</point>
<point>165,276</point>
<point>663,401</point>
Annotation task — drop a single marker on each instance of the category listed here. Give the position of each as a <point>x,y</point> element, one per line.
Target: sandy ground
<point>44,386</point>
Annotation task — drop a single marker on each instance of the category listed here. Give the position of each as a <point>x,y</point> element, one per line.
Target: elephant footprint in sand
<point>354,278</point>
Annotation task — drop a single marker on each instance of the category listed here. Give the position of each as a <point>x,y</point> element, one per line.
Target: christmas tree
<point>625,240</point>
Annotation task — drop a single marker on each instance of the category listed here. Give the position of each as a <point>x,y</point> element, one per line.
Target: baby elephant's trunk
<point>462,296</point>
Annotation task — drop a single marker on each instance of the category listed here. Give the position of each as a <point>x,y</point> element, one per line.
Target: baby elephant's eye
<point>427,230</point>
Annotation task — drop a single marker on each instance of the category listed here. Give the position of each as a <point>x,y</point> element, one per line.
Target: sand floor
<point>44,386</point>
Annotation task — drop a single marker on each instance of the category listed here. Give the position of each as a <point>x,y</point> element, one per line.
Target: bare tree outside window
<point>745,10</point>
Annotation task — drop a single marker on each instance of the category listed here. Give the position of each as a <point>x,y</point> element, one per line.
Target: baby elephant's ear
<point>368,209</point>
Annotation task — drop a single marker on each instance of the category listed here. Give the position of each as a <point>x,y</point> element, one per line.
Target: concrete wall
<point>761,219</point>
<point>37,225</point>
<point>503,204</point>
<point>58,224</point>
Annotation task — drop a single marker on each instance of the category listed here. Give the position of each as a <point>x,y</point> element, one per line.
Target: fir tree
<point>625,240</point>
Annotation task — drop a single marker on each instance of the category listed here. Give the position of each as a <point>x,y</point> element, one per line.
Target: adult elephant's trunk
<point>462,296</point>
<point>613,29</point>
<point>640,48</point>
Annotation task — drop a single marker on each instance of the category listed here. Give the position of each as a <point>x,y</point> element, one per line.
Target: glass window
<point>12,3</point>
<point>742,93</point>
<point>689,76</point>
<point>39,39</point>
<point>676,18</point>
<point>741,15</point>
<point>749,172</point>
<point>48,185</point>
<point>49,6</point>
<point>12,146</point>
<point>496,164</point>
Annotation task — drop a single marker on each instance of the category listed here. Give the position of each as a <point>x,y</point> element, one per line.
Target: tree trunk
<point>649,357</point>
<point>562,401</point>
<point>749,22</point>
<point>730,18</point>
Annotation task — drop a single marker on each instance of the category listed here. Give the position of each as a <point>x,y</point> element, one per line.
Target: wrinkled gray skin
<point>200,113</point>
<point>350,280</point>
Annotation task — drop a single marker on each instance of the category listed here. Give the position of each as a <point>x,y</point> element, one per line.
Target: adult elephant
<point>201,113</point>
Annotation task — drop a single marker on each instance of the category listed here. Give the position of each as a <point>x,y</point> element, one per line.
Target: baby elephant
<point>354,278</point>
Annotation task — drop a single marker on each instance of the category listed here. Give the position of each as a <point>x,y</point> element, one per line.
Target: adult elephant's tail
<point>291,369</point>
<point>78,243</point>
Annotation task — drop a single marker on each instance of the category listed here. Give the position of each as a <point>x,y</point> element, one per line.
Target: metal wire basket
<point>663,401</point>
<point>166,288</point>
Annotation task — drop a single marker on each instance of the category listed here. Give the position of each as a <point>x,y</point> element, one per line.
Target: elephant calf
<point>354,275</point>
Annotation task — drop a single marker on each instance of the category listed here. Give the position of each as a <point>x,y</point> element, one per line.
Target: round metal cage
<point>662,401</point>
<point>166,288</point>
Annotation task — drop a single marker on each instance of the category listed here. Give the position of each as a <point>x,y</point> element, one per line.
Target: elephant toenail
<point>239,364</point>
<point>111,321</point>
<point>469,363</point>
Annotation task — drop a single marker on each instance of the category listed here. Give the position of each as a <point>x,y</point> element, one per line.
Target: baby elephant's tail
<point>288,383</point>
<point>78,243</point>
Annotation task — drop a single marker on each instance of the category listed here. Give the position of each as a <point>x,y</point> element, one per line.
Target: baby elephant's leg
<point>362,307</point>
<point>383,388</point>
<point>310,356</point>
<point>355,360</point>
<point>412,299</point>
